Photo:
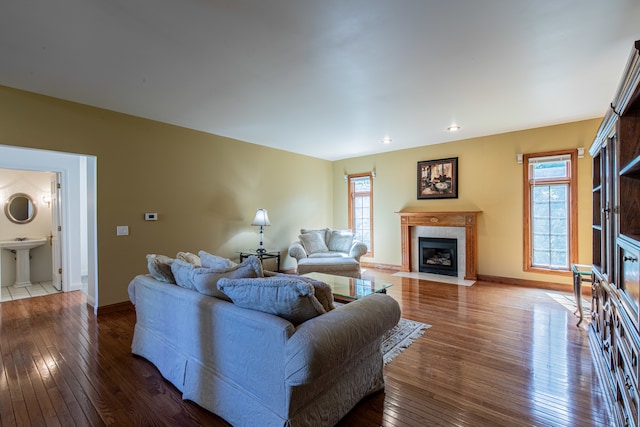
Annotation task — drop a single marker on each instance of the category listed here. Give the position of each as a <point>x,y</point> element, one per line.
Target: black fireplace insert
<point>438,256</point>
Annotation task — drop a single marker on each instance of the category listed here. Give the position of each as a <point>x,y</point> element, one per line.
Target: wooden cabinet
<point>614,330</point>
<point>626,368</point>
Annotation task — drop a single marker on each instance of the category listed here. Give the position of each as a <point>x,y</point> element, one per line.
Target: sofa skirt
<point>215,393</point>
<point>169,360</point>
<point>202,385</point>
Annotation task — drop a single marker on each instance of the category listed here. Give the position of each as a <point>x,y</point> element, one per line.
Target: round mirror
<point>20,208</point>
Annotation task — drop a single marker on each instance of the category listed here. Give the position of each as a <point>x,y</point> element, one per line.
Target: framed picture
<point>438,179</point>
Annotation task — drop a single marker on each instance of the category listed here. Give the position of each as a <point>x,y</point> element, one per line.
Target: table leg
<point>577,292</point>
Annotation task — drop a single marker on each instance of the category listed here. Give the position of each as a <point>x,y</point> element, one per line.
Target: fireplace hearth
<point>438,256</point>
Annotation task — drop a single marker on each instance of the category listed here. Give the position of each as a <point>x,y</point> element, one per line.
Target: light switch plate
<point>122,230</point>
<point>150,216</point>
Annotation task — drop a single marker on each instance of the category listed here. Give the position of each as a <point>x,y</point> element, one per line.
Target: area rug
<point>401,337</point>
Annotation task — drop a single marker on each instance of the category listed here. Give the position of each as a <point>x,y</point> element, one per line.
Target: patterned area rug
<point>401,337</point>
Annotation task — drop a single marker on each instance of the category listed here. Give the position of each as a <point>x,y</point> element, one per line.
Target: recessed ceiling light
<point>386,140</point>
<point>453,128</point>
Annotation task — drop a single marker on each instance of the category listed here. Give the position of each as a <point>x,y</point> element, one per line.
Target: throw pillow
<point>213,261</point>
<point>322,232</point>
<point>160,267</point>
<point>206,280</point>
<point>313,242</point>
<point>286,297</point>
<point>182,272</point>
<point>190,258</point>
<point>322,292</point>
<point>340,241</point>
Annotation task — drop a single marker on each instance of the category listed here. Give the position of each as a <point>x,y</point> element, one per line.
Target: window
<point>361,208</point>
<point>550,209</point>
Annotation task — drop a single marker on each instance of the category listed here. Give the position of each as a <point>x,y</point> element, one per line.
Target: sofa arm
<point>325,343</point>
<point>297,251</point>
<point>357,250</point>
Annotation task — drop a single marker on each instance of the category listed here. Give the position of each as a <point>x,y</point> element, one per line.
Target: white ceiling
<point>326,78</point>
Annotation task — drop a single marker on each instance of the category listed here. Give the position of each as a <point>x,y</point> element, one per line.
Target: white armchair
<point>328,251</point>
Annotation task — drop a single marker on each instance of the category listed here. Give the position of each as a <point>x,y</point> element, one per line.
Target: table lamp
<point>261,219</point>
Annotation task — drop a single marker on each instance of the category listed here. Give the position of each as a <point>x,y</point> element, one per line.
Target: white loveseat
<point>328,251</point>
<point>254,368</point>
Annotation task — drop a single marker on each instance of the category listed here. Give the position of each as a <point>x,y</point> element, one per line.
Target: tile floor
<point>9,293</point>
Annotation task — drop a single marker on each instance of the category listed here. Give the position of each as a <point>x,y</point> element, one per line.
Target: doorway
<point>77,237</point>
<point>27,258</point>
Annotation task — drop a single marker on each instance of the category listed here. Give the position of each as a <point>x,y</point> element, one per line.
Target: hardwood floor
<point>497,355</point>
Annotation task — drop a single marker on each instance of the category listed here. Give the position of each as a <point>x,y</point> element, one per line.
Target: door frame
<point>79,195</point>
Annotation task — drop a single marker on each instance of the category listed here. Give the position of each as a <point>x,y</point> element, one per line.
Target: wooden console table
<point>468,220</point>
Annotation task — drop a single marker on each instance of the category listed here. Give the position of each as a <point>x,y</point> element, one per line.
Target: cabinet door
<point>597,215</point>
<point>629,275</point>
<point>606,202</point>
<point>603,323</point>
<point>626,372</point>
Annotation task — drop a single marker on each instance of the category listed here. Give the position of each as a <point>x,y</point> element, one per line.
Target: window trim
<point>573,210</point>
<point>350,185</point>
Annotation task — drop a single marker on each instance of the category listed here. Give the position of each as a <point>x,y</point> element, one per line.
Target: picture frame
<point>438,179</point>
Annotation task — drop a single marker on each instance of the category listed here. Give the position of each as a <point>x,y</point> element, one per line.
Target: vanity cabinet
<point>614,336</point>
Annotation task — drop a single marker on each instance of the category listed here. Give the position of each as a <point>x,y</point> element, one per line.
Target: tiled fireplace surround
<point>438,232</point>
<point>458,225</point>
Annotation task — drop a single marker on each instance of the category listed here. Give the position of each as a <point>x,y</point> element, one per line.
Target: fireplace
<point>468,221</point>
<point>438,256</point>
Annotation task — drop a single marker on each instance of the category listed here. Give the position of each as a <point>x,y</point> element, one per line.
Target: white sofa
<point>253,368</point>
<point>328,251</point>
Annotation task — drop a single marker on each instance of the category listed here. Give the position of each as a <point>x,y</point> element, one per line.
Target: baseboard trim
<point>586,288</point>
<point>379,266</point>
<point>114,308</point>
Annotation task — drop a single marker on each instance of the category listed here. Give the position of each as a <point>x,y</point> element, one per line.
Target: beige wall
<point>490,180</point>
<point>205,188</point>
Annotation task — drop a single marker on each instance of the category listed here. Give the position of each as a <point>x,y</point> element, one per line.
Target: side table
<point>244,254</point>
<point>581,272</point>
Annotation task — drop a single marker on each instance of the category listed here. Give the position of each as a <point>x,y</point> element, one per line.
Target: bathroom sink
<point>22,248</point>
<point>16,245</point>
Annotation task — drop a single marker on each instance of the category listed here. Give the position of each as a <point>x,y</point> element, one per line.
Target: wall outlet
<point>150,216</point>
<point>122,230</point>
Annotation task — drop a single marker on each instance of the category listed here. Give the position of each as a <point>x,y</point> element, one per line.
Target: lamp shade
<point>262,218</point>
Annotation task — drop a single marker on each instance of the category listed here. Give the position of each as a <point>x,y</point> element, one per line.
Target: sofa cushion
<point>329,255</point>
<point>213,261</point>
<point>206,280</point>
<point>313,242</point>
<point>344,266</point>
<point>189,257</point>
<point>182,272</point>
<point>160,267</point>
<point>288,297</point>
<point>340,240</point>
<point>321,290</point>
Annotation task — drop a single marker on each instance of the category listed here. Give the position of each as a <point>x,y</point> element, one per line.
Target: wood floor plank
<point>496,355</point>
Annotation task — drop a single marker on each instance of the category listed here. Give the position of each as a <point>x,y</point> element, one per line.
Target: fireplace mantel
<point>468,220</point>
